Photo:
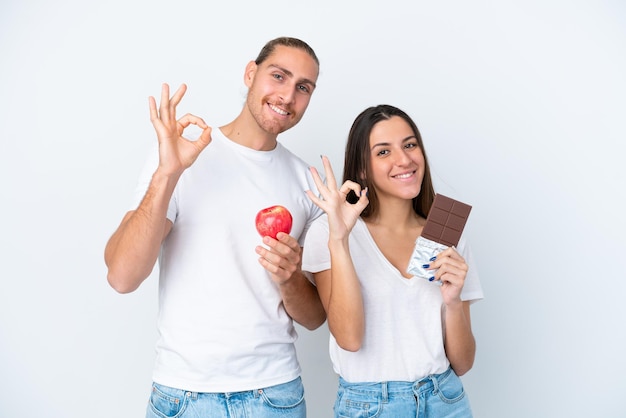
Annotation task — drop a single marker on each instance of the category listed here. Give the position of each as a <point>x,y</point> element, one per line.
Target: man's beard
<point>267,123</point>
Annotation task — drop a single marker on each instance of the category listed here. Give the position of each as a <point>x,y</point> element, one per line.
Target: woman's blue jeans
<point>435,396</point>
<point>285,400</point>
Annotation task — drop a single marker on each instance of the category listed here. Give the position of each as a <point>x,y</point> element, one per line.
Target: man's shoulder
<point>288,155</point>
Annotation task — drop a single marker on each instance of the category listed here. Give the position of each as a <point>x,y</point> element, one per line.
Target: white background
<point>521,105</point>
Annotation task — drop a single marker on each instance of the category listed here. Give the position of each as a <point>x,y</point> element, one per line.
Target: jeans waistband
<point>426,383</point>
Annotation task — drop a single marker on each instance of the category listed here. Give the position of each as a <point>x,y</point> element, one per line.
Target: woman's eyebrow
<point>386,144</point>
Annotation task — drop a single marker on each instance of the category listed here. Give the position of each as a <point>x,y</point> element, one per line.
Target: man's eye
<point>304,88</point>
<point>277,76</point>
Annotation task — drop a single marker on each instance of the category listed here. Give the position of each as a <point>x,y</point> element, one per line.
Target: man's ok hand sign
<point>176,153</point>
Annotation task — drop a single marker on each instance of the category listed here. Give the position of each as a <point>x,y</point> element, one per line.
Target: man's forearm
<point>302,301</point>
<point>132,250</point>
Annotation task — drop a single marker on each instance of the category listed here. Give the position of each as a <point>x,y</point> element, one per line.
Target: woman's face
<point>397,161</point>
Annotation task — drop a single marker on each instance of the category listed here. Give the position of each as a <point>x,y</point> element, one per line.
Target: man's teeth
<point>278,110</point>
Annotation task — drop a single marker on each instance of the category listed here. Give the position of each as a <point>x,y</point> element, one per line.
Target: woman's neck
<point>395,215</point>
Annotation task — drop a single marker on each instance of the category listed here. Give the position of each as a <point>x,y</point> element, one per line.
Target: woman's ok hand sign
<point>342,215</point>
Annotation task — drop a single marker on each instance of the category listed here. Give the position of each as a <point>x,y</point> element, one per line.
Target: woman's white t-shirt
<point>404,326</point>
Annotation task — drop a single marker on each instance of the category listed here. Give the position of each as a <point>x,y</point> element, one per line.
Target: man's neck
<point>245,131</point>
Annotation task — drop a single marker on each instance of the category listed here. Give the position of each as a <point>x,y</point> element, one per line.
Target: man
<point>226,302</point>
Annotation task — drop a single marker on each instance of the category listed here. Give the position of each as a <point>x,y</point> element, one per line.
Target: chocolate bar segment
<point>446,220</point>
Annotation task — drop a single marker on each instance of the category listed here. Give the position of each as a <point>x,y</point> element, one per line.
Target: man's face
<point>279,89</point>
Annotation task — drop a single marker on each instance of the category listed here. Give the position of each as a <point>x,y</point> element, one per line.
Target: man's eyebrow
<point>290,74</point>
<point>385,144</point>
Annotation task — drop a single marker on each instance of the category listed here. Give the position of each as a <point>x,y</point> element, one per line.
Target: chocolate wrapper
<point>424,250</point>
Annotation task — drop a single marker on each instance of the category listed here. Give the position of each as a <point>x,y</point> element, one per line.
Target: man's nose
<point>287,93</point>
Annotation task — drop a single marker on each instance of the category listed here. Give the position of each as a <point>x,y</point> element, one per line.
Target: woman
<point>397,342</point>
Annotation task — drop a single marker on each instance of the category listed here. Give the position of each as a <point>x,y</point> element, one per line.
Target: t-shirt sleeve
<point>472,289</point>
<point>316,256</point>
<point>314,211</point>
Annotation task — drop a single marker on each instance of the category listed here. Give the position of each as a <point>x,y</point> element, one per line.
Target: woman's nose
<point>402,158</point>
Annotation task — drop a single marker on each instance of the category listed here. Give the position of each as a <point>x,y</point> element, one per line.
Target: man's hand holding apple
<point>283,260</point>
<point>283,257</point>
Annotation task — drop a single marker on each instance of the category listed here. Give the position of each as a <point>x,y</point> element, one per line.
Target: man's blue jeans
<point>284,400</point>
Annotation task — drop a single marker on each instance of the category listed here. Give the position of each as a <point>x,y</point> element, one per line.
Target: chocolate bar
<point>446,220</point>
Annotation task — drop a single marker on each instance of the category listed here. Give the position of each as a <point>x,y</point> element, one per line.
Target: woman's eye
<point>383,152</point>
<point>411,145</point>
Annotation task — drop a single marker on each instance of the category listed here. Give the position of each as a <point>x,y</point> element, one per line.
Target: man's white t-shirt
<point>222,325</point>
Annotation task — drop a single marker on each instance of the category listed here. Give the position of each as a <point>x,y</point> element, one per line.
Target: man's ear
<point>248,75</point>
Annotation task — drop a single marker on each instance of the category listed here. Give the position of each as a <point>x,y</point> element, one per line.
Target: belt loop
<point>385,392</point>
<point>436,377</point>
<point>433,378</point>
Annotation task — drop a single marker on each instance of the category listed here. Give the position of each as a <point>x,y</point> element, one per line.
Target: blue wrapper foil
<point>424,250</point>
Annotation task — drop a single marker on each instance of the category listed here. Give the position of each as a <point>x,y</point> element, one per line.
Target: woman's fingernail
<point>433,258</point>
<point>431,279</point>
<point>425,266</point>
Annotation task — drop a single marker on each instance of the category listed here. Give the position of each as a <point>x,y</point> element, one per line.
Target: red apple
<point>270,221</point>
